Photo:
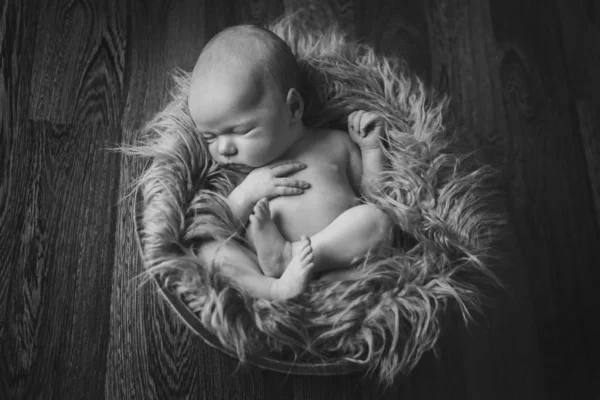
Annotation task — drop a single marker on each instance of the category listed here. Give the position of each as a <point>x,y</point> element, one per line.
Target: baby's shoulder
<point>333,135</point>
<point>336,145</point>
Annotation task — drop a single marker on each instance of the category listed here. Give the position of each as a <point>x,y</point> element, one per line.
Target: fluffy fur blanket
<point>390,314</point>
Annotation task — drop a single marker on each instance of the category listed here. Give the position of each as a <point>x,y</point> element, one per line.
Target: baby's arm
<point>367,163</point>
<point>269,181</point>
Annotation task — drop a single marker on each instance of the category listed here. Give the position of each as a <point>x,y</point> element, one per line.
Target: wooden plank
<point>392,27</point>
<point>80,60</point>
<point>334,387</point>
<point>580,44</point>
<point>57,239</point>
<point>441,376</point>
<point>588,115</point>
<point>16,39</point>
<point>580,47</point>
<point>341,12</point>
<point>500,354</point>
<point>256,12</point>
<point>150,352</point>
<point>396,28</point>
<point>559,231</point>
<point>503,64</point>
<point>233,12</point>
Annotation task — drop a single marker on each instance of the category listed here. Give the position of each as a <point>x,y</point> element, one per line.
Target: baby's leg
<point>297,274</point>
<point>240,265</point>
<point>349,237</point>
<point>274,252</point>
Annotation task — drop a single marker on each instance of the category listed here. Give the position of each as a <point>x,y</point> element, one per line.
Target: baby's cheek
<point>212,152</point>
<point>263,157</point>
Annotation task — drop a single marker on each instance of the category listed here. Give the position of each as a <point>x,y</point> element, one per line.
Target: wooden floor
<point>78,77</point>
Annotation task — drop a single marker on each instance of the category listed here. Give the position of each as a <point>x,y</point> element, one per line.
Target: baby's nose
<point>227,147</point>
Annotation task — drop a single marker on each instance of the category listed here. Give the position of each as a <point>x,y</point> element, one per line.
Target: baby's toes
<point>264,206</point>
<point>308,263</point>
<point>261,209</point>
<point>305,241</point>
<point>308,268</point>
<point>306,255</point>
<point>305,247</point>
<point>252,219</point>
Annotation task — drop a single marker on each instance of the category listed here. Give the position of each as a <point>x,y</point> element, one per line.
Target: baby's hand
<point>272,181</point>
<point>365,128</point>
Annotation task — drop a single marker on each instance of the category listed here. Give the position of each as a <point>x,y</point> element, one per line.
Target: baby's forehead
<point>236,77</point>
<point>225,68</point>
<point>216,98</point>
<point>234,82</point>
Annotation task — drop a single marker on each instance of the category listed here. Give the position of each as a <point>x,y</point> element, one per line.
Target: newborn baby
<point>245,103</point>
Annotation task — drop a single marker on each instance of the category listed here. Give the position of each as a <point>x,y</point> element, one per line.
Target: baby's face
<point>245,122</point>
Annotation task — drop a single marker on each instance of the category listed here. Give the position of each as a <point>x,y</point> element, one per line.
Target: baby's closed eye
<point>243,131</point>
<point>209,137</point>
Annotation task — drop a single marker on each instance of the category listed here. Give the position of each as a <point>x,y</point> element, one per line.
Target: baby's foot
<point>295,279</point>
<point>274,252</point>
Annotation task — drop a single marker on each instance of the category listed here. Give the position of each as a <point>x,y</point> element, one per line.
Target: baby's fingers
<point>354,120</point>
<point>293,183</point>
<point>287,191</point>
<point>283,168</point>
<point>368,121</point>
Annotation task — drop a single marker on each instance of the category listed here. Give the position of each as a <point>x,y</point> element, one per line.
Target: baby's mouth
<point>238,168</point>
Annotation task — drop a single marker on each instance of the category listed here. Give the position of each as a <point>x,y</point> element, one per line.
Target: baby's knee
<point>381,223</point>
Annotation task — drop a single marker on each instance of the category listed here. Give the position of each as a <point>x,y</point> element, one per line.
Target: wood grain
<point>339,12</point>
<point>588,116</point>
<point>466,66</point>
<point>396,28</point>
<point>80,59</point>
<point>227,13</point>
<point>463,57</point>
<point>580,35</point>
<point>150,352</point>
<point>559,232</point>
<point>16,40</point>
<point>446,369</point>
<point>62,195</point>
<point>502,64</point>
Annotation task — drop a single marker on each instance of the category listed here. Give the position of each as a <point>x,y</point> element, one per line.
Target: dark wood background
<point>80,76</point>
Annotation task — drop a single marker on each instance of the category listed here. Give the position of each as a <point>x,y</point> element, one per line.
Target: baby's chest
<point>322,170</point>
<point>324,157</point>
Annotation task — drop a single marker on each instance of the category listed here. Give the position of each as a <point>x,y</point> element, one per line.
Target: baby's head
<point>243,97</point>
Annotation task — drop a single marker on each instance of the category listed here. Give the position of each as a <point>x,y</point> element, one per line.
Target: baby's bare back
<point>326,156</point>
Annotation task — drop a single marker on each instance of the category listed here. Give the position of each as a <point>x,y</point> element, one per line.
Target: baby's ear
<point>295,104</point>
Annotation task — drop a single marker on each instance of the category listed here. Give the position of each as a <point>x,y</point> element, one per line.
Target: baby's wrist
<point>240,205</point>
<point>371,147</point>
<point>242,197</point>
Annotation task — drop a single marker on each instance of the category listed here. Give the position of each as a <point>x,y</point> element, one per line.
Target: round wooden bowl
<point>194,323</point>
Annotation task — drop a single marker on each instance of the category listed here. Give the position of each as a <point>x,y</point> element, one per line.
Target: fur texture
<point>389,315</point>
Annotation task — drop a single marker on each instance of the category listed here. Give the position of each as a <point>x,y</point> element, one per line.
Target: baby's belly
<point>329,196</point>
